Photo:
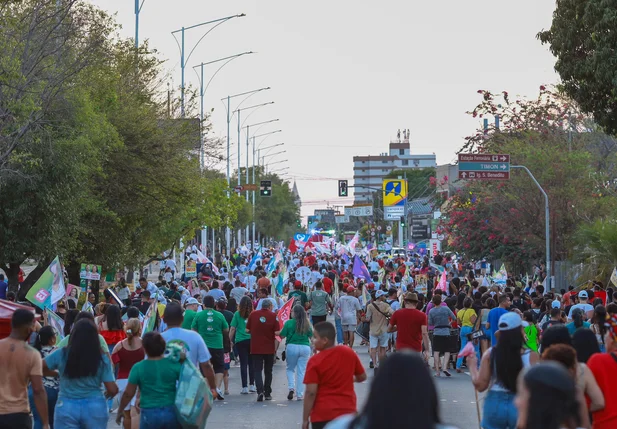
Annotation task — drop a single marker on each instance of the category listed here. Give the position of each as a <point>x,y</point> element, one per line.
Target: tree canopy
<point>582,37</point>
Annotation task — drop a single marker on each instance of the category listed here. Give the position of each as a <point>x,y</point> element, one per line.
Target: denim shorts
<point>88,413</point>
<point>158,418</point>
<point>499,410</point>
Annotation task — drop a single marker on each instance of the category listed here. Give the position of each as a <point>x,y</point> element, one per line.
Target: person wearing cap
<point>192,305</point>
<point>584,305</point>
<point>499,372</point>
<point>319,303</point>
<point>604,369</point>
<point>494,316</point>
<point>298,295</point>
<point>378,314</point>
<point>350,309</point>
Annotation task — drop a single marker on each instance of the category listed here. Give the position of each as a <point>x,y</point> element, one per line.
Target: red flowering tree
<point>574,163</point>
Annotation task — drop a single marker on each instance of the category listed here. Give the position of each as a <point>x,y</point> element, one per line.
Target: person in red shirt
<point>411,325</point>
<point>327,284</point>
<point>604,369</point>
<point>329,385</point>
<point>262,324</point>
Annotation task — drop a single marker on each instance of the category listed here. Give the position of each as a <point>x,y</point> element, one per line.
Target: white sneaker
<point>245,391</point>
<point>299,398</point>
<point>220,393</point>
<point>252,389</point>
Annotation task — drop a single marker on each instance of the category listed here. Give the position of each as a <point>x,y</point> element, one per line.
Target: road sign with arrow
<point>476,166</point>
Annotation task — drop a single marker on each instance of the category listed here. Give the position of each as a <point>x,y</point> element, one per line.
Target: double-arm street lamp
<point>183,61</point>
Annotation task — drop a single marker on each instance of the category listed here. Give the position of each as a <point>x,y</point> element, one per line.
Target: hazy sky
<point>345,75</point>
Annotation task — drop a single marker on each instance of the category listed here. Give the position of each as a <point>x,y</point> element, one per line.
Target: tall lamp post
<point>248,94</point>
<point>181,46</point>
<point>279,144</point>
<point>137,12</point>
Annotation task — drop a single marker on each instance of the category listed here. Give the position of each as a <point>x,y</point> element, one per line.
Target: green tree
<point>582,37</point>
<point>596,248</point>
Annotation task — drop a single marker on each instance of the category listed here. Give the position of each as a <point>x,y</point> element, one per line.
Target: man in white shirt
<point>238,291</point>
<point>583,305</point>
<point>262,294</point>
<point>194,346</point>
<point>250,281</point>
<point>349,308</point>
<point>215,292</point>
<point>171,263</point>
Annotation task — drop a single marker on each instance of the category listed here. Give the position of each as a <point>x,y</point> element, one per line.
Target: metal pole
<point>136,24</point>
<point>201,95</point>
<point>182,79</point>
<point>547,231</point>
<point>247,178</point>
<point>253,191</point>
<point>239,174</point>
<point>227,231</point>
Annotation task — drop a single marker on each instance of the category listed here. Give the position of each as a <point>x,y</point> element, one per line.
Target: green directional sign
<point>483,166</point>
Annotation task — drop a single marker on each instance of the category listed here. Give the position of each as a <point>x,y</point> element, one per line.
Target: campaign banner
<point>49,288</point>
<point>90,272</point>
<point>190,269</point>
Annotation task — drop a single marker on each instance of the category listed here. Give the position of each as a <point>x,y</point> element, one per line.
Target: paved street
<point>242,411</point>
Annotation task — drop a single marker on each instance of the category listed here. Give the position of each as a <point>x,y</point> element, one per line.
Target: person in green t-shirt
<point>242,340</point>
<point>297,294</point>
<point>213,327</point>
<point>189,314</point>
<point>156,378</point>
<point>298,333</point>
<point>320,302</point>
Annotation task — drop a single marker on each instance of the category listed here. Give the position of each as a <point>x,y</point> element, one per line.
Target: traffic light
<point>343,189</point>
<point>402,221</point>
<point>265,190</point>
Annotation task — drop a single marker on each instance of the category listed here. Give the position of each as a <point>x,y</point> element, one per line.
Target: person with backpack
<point>298,295</point>
<point>378,315</point>
<point>319,303</point>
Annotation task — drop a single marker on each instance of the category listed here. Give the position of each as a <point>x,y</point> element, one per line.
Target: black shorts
<point>317,319</point>
<point>218,360</point>
<point>441,343</point>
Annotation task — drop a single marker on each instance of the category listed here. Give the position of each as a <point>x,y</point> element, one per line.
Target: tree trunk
<point>32,278</point>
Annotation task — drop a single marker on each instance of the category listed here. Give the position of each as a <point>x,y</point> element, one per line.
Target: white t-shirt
<point>194,346</point>
<point>168,277</point>
<point>275,306</point>
<point>216,294</point>
<point>584,307</point>
<point>237,293</point>
<point>171,264</point>
<point>349,305</point>
<point>250,283</point>
<point>124,293</point>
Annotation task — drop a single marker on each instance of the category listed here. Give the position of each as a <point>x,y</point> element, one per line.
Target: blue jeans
<point>87,413</point>
<point>339,330</point>
<point>499,411</point>
<point>297,358</point>
<point>466,330</point>
<point>158,418</point>
<point>52,397</point>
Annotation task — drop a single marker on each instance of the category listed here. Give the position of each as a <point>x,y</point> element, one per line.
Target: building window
<point>363,162</point>
<point>363,171</point>
<point>416,162</point>
<point>405,162</point>
<point>401,151</point>
<point>384,162</point>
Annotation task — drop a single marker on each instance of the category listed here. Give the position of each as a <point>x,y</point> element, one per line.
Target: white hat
<point>380,293</point>
<point>509,321</point>
<point>192,301</point>
<point>583,294</point>
<point>556,304</point>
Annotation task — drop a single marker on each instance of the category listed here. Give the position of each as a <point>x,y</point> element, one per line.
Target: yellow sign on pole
<point>394,192</point>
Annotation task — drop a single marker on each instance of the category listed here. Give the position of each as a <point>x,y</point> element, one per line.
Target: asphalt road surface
<point>458,406</point>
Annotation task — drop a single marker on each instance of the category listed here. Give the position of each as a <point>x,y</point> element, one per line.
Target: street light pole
<point>182,59</point>
<point>137,12</point>
<point>547,229</point>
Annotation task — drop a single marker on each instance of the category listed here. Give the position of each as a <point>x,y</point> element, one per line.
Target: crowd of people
<point>528,348</point>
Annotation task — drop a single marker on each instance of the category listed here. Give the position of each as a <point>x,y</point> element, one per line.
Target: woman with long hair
<point>111,326</point>
<point>577,321</point>
<point>583,378</point>
<point>546,398</point>
<point>45,343</point>
<point>82,367</point>
<point>125,355</point>
<point>298,332</point>
<point>242,340</point>
<point>466,318</point>
<point>499,369</point>
<point>585,343</point>
<point>598,327</point>
<point>69,320</point>
<point>156,378</point>
<point>403,395</point>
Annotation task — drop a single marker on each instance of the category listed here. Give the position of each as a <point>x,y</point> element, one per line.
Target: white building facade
<point>369,171</point>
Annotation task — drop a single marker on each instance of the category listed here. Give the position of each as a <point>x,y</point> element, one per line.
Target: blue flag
<point>253,263</point>
<point>360,270</point>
